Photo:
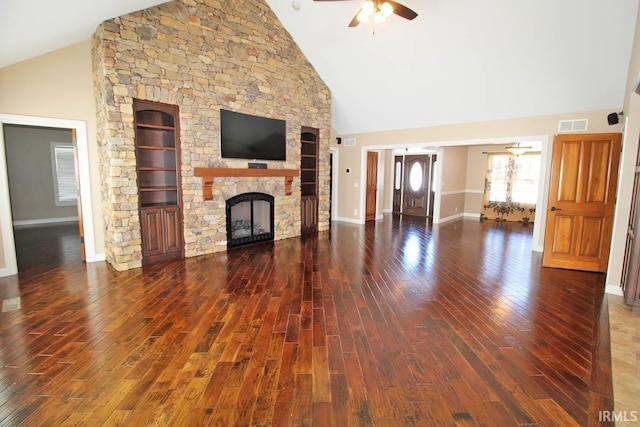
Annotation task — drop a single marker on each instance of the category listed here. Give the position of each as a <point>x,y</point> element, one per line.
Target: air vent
<point>578,125</point>
<point>349,142</point>
<point>11,304</point>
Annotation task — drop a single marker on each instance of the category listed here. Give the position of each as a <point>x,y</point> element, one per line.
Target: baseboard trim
<point>98,257</point>
<point>349,220</point>
<point>22,223</point>
<point>613,290</point>
<point>4,272</point>
<point>448,218</point>
<point>537,248</point>
<point>472,215</point>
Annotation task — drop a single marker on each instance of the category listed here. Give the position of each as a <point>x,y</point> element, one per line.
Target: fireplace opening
<point>249,219</point>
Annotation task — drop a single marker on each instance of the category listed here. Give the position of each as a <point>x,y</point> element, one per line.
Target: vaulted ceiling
<point>458,61</point>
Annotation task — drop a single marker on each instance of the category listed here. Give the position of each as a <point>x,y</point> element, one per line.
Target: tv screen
<point>243,136</point>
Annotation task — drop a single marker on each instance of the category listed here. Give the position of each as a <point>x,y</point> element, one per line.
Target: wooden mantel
<point>208,174</point>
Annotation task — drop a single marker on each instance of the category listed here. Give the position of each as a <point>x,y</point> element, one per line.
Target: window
<point>514,178</point>
<point>524,185</point>
<point>415,176</point>
<point>64,174</point>
<point>499,165</point>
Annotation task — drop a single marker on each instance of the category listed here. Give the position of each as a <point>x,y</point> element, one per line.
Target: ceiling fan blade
<point>402,10</point>
<point>354,22</point>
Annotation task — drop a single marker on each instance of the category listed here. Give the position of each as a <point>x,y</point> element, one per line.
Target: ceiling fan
<point>379,10</point>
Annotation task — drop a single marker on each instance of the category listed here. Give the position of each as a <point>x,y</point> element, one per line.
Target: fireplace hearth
<point>249,219</point>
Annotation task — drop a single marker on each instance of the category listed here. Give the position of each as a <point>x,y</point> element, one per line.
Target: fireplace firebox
<point>249,219</point>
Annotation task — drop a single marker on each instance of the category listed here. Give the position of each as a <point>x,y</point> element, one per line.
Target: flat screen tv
<point>243,136</point>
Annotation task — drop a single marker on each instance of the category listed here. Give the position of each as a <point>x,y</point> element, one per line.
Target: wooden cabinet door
<point>309,217</point>
<point>151,225</point>
<point>172,238</point>
<point>161,233</point>
<point>582,193</point>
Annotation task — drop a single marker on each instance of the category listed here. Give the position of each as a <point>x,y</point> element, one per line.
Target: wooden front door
<point>417,173</point>
<point>78,198</point>
<point>582,194</point>
<point>398,167</point>
<point>372,185</point>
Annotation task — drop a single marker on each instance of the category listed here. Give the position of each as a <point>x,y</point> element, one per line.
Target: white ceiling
<point>30,28</point>
<point>466,60</point>
<point>458,61</point>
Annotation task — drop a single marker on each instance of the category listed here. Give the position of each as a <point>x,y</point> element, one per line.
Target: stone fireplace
<point>203,56</point>
<point>249,219</point>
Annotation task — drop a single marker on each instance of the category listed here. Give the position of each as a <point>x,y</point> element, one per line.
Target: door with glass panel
<point>398,164</point>
<point>417,185</point>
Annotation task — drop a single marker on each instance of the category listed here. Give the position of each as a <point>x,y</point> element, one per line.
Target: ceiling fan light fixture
<point>517,149</point>
<point>369,7</point>
<point>386,9</point>
<point>367,10</point>
<point>380,9</point>
<point>363,17</point>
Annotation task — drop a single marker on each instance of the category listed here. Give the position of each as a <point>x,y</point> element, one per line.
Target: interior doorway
<point>371,199</point>
<point>10,266</point>
<point>334,166</point>
<point>330,188</point>
<point>42,175</point>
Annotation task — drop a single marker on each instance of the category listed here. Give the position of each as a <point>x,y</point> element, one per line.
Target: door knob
<point>553,209</point>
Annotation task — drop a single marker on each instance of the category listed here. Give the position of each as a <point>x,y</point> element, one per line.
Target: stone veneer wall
<point>202,55</point>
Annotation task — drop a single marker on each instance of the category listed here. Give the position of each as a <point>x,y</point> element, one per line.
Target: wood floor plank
<point>302,402</point>
<point>395,322</point>
<point>339,400</point>
<point>286,383</point>
<point>267,394</point>
<point>320,371</point>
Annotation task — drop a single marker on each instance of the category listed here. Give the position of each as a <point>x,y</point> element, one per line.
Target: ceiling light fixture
<point>379,9</point>
<point>517,149</point>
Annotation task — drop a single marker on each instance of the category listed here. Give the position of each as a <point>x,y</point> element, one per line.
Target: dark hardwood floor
<point>45,247</point>
<point>392,324</point>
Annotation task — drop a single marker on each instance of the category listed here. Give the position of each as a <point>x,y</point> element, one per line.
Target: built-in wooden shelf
<point>208,174</point>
